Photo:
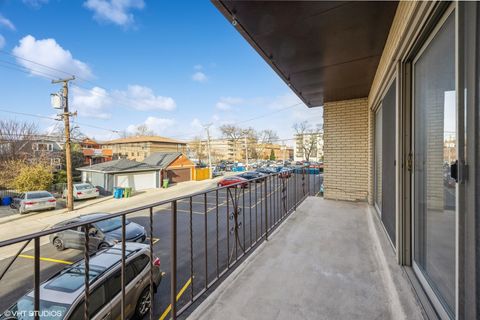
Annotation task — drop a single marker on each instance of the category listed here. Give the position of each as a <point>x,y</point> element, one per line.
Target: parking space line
<point>179,294</point>
<point>26,256</point>
<point>155,240</point>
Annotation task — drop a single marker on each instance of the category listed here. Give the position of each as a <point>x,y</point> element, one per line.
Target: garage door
<point>178,175</point>
<point>137,181</point>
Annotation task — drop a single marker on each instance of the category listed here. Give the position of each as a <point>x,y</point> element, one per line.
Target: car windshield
<point>110,224</point>
<point>23,310</point>
<point>83,186</point>
<point>38,195</point>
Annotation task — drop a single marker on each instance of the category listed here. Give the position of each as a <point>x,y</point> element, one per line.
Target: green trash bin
<point>165,183</point>
<point>128,192</point>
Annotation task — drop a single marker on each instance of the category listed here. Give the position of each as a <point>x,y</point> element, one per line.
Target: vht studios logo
<point>18,314</point>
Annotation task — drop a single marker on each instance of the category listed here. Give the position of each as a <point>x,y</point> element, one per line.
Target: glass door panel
<point>434,206</point>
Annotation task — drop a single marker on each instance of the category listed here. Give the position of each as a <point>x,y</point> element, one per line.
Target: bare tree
<point>198,148</point>
<point>234,134</point>
<point>143,130</point>
<point>307,138</point>
<point>13,135</point>
<point>264,139</point>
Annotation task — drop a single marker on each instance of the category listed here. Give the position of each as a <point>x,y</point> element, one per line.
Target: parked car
<point>233,180</point>
<point>62,295</point>
<point>250,175</point>
<point>83,191</point>
<point>34,201</point>
<point>266,170</point>
<point>102,234</point>
<point>285,172</point>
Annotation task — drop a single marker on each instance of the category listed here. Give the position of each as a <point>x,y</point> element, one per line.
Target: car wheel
<point>58,244</point>
<point>143,304</point>
<point>103,245</point>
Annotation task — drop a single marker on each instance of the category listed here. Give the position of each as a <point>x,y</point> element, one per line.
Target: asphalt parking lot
<point>207,240</point>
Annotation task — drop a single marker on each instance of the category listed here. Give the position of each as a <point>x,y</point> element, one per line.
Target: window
<point>434,189</point>
<point>97,301</point>
<point>42,146</point>
<point>141,262</point>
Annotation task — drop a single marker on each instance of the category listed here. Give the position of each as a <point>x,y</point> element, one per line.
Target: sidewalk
<point>18,225</point>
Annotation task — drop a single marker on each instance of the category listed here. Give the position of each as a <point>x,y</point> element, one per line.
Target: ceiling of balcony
<point>325,51</point>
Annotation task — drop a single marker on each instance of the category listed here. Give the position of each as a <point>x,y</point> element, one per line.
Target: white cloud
<point>35,3</point>
<point>198,67</point>
<point>144,99</point>
<point>158,125</point>
<point>199,77</point>
<point>50,53</point>
<point>114,11</point>
<point>93,103</point>
<point>284,101</point>
<point>227,103</point>
<point>6,23</point>
<point>196,124</point>
<point>2,41</point>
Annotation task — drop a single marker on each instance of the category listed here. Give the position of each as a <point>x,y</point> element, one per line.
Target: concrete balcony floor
<point>329,260</point>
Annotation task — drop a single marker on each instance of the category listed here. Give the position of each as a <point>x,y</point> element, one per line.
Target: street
<point>214,240</point>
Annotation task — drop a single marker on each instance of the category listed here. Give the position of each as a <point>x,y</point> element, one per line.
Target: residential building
<point>139,147</point>
<point>281,152</point>
<point>49,150</point>
<point>174,166</point>
<point>309,147</point>
<point>94,153</point>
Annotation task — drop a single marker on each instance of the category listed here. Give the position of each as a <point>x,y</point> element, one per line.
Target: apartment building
<point>309,147</point>
<point>140,147</point>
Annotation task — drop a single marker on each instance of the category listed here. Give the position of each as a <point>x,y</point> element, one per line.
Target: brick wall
<point>347,139</point>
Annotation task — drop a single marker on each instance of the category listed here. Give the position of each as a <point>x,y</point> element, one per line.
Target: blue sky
<point>172,65</point>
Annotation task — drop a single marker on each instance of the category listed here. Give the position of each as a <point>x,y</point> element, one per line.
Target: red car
<point>233,180</point>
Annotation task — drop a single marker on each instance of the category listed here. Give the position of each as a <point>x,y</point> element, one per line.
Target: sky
<point>174,66</point>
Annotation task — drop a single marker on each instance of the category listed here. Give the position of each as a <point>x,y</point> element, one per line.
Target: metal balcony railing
<point>204,245</point>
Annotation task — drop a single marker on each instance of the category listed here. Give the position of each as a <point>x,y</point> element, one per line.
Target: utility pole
<point>68,154</point>
<point>207,128</point>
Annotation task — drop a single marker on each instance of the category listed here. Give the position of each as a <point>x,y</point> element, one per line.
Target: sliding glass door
<point>434,164</point>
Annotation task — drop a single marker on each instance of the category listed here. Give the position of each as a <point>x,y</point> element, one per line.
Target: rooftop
<point>162,159</point>
<point>139,139</point>
<point>121,165</point>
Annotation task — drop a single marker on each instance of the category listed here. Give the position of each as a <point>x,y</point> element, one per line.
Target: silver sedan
<point>34,201</point>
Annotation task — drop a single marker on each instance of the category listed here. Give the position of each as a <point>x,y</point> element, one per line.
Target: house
<point>93,152</point>
<point>49,150</point>
<point>140,147</point>
<point>121,173</point>
<point>174,166</point>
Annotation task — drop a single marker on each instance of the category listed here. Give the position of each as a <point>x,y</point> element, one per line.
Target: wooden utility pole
<point>68,152</point>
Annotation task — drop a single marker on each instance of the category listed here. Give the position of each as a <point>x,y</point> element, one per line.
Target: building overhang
<point>325,51</point>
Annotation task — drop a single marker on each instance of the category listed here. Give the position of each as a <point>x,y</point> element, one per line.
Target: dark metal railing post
<point>295,191</point>
<point>266,209</point>
<point>216,229</point>
<point>86,309</point>
<point>173,267</point>
<point>36,270</point>
<point>228,229</point>
<point>191,247</point>
<point>151,264</point>
<point>206,240</point>
<point>123,270</point>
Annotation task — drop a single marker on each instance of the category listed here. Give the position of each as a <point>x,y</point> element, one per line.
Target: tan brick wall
<point>346,148</point>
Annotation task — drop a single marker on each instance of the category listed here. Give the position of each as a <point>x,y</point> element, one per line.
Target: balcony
<point>329,260</point>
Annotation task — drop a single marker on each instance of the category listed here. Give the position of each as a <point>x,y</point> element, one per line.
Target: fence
<point>211,232</point>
